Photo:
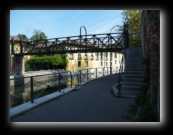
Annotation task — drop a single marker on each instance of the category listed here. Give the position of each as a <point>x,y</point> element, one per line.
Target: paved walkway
<point>93,102</point>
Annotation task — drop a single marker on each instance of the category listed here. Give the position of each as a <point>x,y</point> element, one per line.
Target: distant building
<point>77,61</point>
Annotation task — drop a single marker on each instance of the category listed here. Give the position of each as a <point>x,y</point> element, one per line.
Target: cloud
<point>76,15</point>
<point>107,26</point>
<point>96,26</point>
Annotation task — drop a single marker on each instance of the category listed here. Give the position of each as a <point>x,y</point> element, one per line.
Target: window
<point>71,56</point>
<point>101,55</point>
<point>106,64</point>
<point>86,63</point>
<point>86,56</point>
<point>115,55</point>
<point>79,56</point>
<point>79,63</point>
<point>106,56</point>
<point>92,57</point>
<point>97,56</point>
<point>101,63</point>
<point>115,61</point>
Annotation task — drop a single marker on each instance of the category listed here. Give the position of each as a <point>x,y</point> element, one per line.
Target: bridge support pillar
<point>18,65</point>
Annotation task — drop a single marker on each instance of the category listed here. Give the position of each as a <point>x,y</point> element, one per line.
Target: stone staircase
<point>134,74</point>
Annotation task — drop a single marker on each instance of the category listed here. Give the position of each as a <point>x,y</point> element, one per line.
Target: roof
<point>15,38</point>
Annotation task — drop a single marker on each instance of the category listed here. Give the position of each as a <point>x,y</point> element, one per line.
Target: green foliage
<point>46,62</point>
<point>38,35</point>
<point>133,18</point>
<point>22,37</point>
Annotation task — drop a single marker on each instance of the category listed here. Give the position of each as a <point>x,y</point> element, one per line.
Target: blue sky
<point>63,23</point>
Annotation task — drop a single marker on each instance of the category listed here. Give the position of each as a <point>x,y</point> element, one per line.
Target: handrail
<point>60,79</point>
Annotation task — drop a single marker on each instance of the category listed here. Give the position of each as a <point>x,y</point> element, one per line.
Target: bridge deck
<point>109,42</point>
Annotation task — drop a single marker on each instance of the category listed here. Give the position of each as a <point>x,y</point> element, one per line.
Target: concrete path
<point>93,102</point>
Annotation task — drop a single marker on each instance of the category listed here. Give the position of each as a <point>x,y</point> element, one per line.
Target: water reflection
<point>20,87</point>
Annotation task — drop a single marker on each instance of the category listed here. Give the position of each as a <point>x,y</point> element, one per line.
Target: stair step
<point>130,94</point>
<point>133,76</point>
<point>132,83</point>
<point>132,66</point>
<point>131,88</point>
<point>133,79</point>
<point>133,69</point>
<point>134,73</point>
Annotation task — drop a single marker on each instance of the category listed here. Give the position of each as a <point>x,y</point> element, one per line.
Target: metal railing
<point>74,44</point>
<point>29,88</point>
<point>120,74</point>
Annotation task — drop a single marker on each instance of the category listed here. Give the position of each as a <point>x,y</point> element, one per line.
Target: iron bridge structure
<point>107,42</point>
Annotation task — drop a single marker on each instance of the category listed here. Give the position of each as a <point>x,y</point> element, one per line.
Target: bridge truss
<point>108,42</point>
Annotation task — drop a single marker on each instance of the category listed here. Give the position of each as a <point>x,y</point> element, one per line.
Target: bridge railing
<point>96,42</point>
<point>29,88</point>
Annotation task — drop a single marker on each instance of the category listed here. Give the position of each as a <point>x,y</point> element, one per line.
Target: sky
<point>63,23</point>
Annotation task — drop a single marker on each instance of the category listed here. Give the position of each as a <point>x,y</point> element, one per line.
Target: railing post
<point>110,70</point>
<point>96,72</point>
<point>80,77</point>
<point>59,79</point>
<point>32,91</point>
<point>110,63</point>
<point>71,79</point>
<point>87,74</point>
<point>103,71</point>
<point>12,46</point>
<point>77,77</point>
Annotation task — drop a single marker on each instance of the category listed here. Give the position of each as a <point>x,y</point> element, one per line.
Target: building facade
<point>78,61</point>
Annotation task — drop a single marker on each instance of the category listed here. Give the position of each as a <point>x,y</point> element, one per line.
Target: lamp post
<point>81,44</point>
<point>111,52</point>
<point>81,32</point>
<point>116,26</point>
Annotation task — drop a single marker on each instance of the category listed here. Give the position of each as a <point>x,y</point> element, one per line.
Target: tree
<point>38,35</point>
<point>46,62</point>
<point>133,18</point>
<point>22,37</point>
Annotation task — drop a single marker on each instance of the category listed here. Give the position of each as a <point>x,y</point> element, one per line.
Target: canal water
<point>20,86</point>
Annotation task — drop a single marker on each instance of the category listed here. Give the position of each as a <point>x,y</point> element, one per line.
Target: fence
<point>24,89</point>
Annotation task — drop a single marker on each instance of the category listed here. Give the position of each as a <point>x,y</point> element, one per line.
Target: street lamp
<point>81,44</point>
<point>115,27</point>
<point>111,52</point>
<point>81,35</point>
<point>85,31</point>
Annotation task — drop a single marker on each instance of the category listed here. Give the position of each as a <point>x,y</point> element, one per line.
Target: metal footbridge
<point>105,42</point>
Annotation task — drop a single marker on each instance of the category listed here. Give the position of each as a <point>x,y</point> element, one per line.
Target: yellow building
<point>77,61</point>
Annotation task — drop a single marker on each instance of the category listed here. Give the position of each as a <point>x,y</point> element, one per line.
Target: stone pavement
<point>93,102</point>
